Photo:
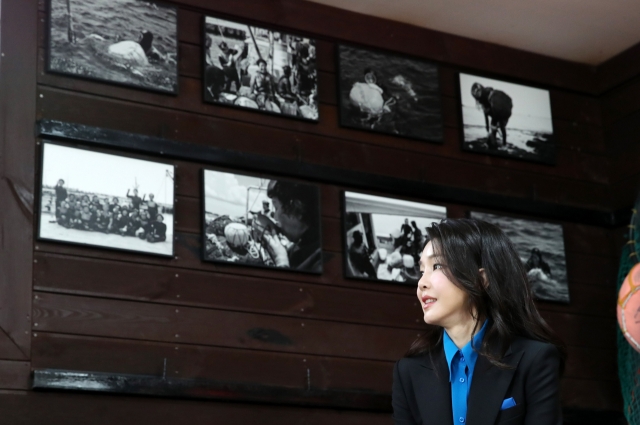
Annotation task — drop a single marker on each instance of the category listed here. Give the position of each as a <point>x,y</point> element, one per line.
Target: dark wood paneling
<point>14,375</point>
<point>228,291</point>
<point>155,322</point>
<point>586,394</point>
<point>213,363</point>
<point>75,409</point>
<point>17,159</point>
<point>99,310</point>
<point>353,146</point>
<point>619,69</point>
<point>578,330</point>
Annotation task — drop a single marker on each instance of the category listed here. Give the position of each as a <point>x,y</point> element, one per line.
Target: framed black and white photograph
<point>389,93</point>
<point>104,200</point>
<point>261,221</point>
<point>128,42</point>
<point>541,248</point>
<point>257,68</point>
<point>506,119</point>
<point>384,237</point>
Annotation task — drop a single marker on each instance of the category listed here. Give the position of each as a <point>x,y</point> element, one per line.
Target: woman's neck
<point>461,332</point>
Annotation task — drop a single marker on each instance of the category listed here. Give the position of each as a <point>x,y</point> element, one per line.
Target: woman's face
<point>443,303</point>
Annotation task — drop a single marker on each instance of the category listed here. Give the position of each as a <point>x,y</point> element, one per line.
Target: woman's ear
<point>485,281</point>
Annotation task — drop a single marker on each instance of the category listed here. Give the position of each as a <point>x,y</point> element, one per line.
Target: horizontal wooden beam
<point>53,379</point>
<point>323,174</point>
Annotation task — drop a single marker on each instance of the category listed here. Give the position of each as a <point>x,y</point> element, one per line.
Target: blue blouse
<point>461,364</point>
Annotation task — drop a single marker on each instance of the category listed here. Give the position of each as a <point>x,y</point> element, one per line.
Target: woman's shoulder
<point>534,350</point>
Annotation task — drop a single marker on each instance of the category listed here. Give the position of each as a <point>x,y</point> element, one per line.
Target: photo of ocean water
<point>403,100</point>
<point>547,271</point>
<point>104,34</point>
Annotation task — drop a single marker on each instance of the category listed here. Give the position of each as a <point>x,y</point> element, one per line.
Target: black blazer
<point>422,392</point>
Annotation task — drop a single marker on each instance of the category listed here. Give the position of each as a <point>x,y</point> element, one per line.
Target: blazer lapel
<point>433,390</point>
<point>489,387</point>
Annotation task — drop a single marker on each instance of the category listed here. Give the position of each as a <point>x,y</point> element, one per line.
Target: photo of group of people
<point>94,198</point>
<point>262,222</point>
<point>384,237</point>
<point>253,67</point>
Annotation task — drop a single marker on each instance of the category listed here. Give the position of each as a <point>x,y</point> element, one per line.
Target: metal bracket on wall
<point>156,146</point>
<point>159,386</point>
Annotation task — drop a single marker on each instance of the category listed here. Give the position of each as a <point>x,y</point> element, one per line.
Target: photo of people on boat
<point>506,119</point>
<point>130,42</point>
<point>104,200</point>
<point>261,221</point>
<point>257,68</point>
<point>541,248</point>
<point>384,237</point>
<point>389,93</point>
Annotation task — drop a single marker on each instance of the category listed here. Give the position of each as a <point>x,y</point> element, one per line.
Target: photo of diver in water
<point>388,93</point>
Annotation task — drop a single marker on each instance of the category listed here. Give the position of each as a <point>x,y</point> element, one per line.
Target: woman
<point>488,357</point>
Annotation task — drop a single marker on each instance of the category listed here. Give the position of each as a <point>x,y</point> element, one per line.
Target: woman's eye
<point>437,266</point>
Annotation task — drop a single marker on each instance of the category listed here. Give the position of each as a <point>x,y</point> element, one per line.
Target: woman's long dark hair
<point>464,246</point>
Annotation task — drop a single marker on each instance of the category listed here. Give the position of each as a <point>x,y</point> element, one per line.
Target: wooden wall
<point>67,307</point>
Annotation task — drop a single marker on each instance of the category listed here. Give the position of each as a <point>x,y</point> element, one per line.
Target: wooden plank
<point>185,361</point>
<point>146,283</point>
<point>54,379</point>
<point>578,330</point>
<point>618,69</point>
<point>572,163</point>
<point>64,408</point>
<point>621,101</point>
<point>163,323</point>
<point>355,28</point>
<point>590,394</point>
<point>17,151</point>
<point>56,351</point>
<point>14,375</point>
<point>592,364</point>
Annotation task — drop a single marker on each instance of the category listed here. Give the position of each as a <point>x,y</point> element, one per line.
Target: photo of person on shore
<point>385,236</point>
<point>95,206</point>
<point>262,222</point>
<point>506,119</point>
<point>257,68</point>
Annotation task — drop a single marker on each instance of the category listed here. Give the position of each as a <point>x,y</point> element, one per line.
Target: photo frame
<point>131,43</point>
<point>384,237</point>
<point>506,119</point>
<point>92,198</point>
<point>261,221</point>
<point>540,245</point>
<point>389,93</point>
<point>256,68</point>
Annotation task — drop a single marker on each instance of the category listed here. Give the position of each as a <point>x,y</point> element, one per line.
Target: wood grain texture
<point>153,322</point>
<point>113,312</point>
<point>74,409</point>
<point>14,375</point>
<point>17,174</point>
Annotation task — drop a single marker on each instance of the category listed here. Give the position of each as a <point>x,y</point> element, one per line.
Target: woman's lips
<point>428,302</point>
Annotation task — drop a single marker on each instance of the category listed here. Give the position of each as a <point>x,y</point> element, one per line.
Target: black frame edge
<point>325,174</point>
